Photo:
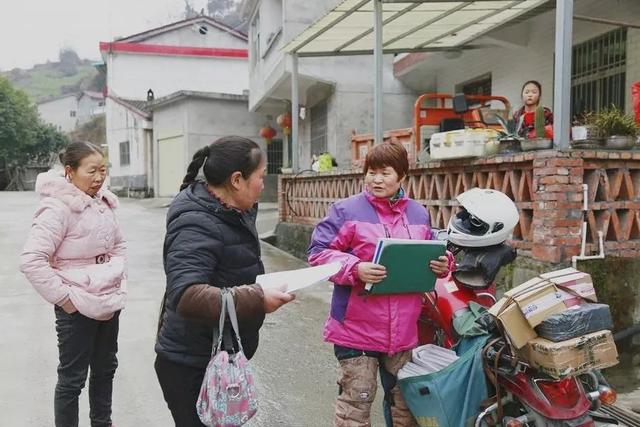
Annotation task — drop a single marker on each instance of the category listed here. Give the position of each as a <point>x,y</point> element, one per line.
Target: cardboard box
<point>579,282</point>
<point>524,307</point>
<point>572,357</point>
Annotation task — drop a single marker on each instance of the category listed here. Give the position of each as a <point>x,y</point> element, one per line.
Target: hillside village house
<point>336,91</point>
<point>66,112</point>
<point>172,90</point>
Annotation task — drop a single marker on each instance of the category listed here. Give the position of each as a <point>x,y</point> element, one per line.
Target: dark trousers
<point>180,386</point>
<point>85,343</point>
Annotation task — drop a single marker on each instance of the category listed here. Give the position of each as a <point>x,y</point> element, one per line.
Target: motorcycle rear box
<point>525,307</point>
<point>571,357</point>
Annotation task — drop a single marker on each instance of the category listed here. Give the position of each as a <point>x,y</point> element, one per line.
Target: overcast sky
<point>34,31</point>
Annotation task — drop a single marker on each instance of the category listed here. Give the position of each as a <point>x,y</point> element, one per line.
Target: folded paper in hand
<point>298,279</point>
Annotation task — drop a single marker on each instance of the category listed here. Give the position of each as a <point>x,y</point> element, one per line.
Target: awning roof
<point>408,26</point>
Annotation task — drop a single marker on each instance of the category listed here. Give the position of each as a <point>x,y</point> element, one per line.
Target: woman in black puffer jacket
<point>211,243</point>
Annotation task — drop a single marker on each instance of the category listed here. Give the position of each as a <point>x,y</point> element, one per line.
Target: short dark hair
<point>533,82</point>
<point>222,158</point>
<point>388,154</point>
<point>74,153</point>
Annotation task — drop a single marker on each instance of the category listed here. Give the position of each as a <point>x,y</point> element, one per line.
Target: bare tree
<point>189,11</point>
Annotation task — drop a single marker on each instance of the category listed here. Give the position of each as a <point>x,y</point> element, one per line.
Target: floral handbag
<point>228,395</point>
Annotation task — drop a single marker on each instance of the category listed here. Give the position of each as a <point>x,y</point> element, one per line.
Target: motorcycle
<point>524,396</point>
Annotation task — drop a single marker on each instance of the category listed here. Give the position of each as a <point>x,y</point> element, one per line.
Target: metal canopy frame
<point>477,17</point>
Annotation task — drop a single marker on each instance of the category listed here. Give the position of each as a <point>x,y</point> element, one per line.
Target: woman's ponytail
<point>220,159</point>
<point>196,163</point>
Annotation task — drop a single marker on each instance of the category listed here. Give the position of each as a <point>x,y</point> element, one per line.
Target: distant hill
<point>56,78</point>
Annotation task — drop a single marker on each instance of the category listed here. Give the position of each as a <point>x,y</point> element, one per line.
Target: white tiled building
<point>336,93</point>
<point>66,112</point>
<point>155,81</point>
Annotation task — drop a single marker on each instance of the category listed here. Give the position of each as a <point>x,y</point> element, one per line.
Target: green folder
<point>407,264</point>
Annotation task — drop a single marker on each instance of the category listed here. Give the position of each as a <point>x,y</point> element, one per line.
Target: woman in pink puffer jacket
<point>75,257</point>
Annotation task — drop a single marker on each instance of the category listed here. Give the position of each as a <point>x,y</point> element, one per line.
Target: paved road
<point>295,371</point>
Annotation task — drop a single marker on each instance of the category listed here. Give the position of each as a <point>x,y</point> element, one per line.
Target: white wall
<point>208,120</point>
<point>188,37</point>
<point>270,20</point>
<point>88,108</point>
<point>58,112</point>
<point>202,121</point>
<point>293,16</point>
<point>349,103</point>
<point>130,76</point>
<point>350,107</point>
<point>124,125</point>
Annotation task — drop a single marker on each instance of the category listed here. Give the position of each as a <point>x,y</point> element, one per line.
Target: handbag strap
<point>231,309</point>
<point>223,315</point>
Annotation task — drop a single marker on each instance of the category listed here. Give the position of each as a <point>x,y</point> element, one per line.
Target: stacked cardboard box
<point>523,308</point>
<point>571,357</point>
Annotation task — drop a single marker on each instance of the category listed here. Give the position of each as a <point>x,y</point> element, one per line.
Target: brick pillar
<point>557,207</point>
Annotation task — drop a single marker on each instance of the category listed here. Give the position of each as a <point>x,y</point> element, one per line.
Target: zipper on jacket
<point>406,227</point>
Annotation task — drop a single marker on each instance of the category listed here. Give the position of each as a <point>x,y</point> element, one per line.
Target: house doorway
<point>171,165</point>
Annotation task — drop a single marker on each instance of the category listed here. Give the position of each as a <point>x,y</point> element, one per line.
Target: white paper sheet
<point>298,279</point>
<point>427,359</point>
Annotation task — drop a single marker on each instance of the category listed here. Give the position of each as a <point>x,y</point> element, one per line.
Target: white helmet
<point>486,218</point>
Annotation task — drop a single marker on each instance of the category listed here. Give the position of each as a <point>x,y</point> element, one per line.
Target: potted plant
<point>585,133</point>
<point>585,129</point>
<point>619,129</point>
<point>541,140</point>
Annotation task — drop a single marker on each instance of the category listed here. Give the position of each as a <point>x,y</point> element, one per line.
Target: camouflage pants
<point>358,383</point>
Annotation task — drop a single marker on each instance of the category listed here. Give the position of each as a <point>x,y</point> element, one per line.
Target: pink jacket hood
<point>54,184</point>
<point>75,249</point>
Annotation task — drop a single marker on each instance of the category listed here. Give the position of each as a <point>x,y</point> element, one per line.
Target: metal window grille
<point>598,73</point>
<point>125,154</point>
<point>319,129</point>
<point>274,156</point>
<point>478,86</point>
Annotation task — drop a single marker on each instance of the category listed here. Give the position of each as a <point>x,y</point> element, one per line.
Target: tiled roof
<point>136,38</point>
<point>140,105</point>
<point>137,106</point>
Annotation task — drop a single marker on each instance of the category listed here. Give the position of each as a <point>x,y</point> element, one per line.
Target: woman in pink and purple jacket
<point>75,258</point>
<point>371,331</point>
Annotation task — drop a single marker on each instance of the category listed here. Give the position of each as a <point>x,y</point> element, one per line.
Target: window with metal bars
<point>274,156</point>
<point>478,86</point>
<point>125,154</point>
<point>598,73</point>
